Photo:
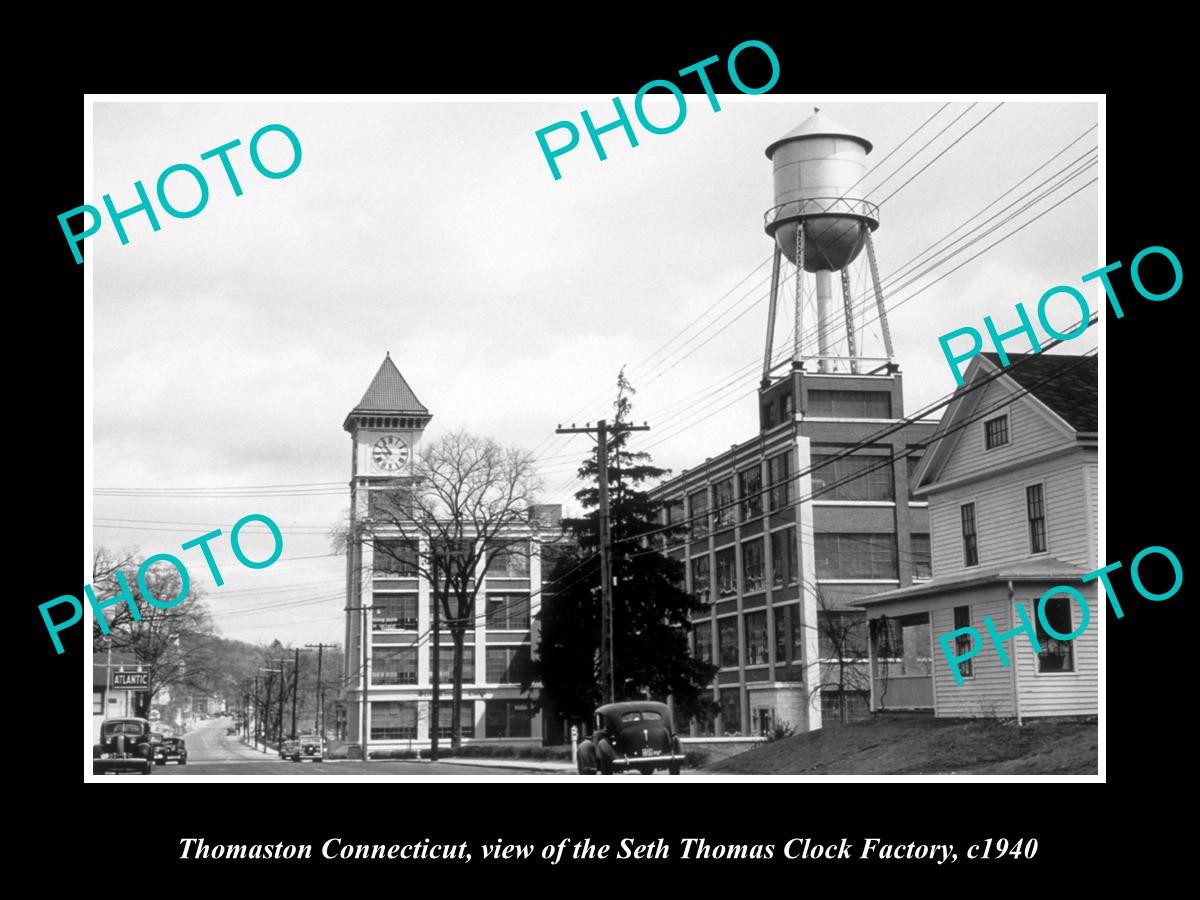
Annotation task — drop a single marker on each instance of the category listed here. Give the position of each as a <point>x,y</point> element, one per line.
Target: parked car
<point>637,734</point>
<point>290,750</point>
<point>174,749</point>
<point>125,746</point>
<point>311,747</point>
<point>156,744</point>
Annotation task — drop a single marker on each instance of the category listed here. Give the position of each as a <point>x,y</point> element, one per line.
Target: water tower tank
<point>819,167</point>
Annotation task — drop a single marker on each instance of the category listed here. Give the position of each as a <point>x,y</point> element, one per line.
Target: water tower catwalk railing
<point>807,214</point>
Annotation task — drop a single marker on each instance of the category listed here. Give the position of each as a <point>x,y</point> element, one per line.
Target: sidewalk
<point>530,765</point>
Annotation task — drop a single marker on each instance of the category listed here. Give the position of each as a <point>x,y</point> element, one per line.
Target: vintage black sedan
<point>174,750</point>
<point>125,746</point>
<point>637,734</point>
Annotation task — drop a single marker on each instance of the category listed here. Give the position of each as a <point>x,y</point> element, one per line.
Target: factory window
<point>970,539</point>
<point>727,637</point>
<point>1056,655</point>
<point>912,461</point>
<point>393,721</point>
<point>768,412</point>
<point>394,665</point>
<point>396,558</point>
<point>390,504</point>
<point>394,611</point>
<point>842,635</point>
<point>731,710</point>
<point>850,404</point>
<point>508,718</point>
<point>704,648</point>
<point>922,557</point>
<point>751,489</point>
<point>445,667</point>
<point>856,556</point>
<point>752,565</point>
<point>995,432</point>
<point>724,513</point>
<point>1037,518</point>
<point>962,642</point>
<point>508,612</point>
<point>701,586</point>
<point>785,408</point>
<point>698,505</point>
<point>674,511</point>
<point>779,481</point>
<point>756,638</point>
<point>466,719</point>
<point>851,477</point>
<point>506,665</point>
<point>509,561</point>
<point>784,568</point>
<point>789,643</point>
<point>726,572</point>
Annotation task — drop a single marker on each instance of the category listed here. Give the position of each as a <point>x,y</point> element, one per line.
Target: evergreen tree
<point>650,606</point>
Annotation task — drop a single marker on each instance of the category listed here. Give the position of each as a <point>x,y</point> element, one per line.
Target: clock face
<point>390,453</point>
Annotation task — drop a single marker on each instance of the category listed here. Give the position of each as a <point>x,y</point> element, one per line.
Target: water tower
<point>821,224</point>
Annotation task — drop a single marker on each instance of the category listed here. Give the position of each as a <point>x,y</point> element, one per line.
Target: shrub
<point>696,759</point>
<point>779,731</point>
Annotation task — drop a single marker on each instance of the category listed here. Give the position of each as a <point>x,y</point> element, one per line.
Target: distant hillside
<point>912,745</point>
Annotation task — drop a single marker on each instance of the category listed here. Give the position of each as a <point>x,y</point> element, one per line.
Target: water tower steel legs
<point>883,322</point>
<point>771,301</point>
<point>796,302</point>
<point>849,321</point>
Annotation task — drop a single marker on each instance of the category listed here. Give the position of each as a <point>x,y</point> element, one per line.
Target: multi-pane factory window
<point>752,565</point>
<point>445,667</point>
<point>856,556</point>
<point>396,558</point>
<point>394,611</point>
<point>850,404</point>
<point>726,572</point>
<point>703,641</point>
<point>467,717</point>
<point>394,665</point>
<point>751,490</point>
<point>789,639</point>
<point>701,583</point>
<point>731,710</point>
<point>727,636</point>
<point>852,477</point>
<point>509,561</point>
<point>393,721</point>
<point>922,556</point>
<point>508,718</point>
<point>756,638</point>
<point>779,481</point>
<point>842,635</point>
<point>508,612</point>
<point>784,567</point>
<point>698,511</point>
<point>506,665</point>
<point>913,460</point>
<point>724,513</point>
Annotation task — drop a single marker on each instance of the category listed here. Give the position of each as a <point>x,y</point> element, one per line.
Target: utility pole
<point>282,684</point>
<point>607,659</point>
<point>435,691</point>
<point>319,718</point>
<point>364,675</point>
<point>266,732</point>
<point>295,689</point>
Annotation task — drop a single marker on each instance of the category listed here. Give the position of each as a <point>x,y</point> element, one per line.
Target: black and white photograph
<point>730,436</point>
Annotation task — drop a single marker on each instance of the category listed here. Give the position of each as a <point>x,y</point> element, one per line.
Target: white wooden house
<point>1013,492</point>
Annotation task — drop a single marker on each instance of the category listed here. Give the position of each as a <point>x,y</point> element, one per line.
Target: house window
<point>752,565</point>
<point>394,665</point>
<point>698,503</point>
<point>508,718</point>
<point>508,612</point>
<point>789,644</point>
<point>393,721</point>
<point>850,404</point>
<point>727,635</point>
<point>842,635</point>
<point>445,666</point>
<point>396,558</point>
<point>922,556</point>
<point>466,719</point>
<point>779,481</point>
<point>703,641</point>
<point>970,539</point>
<point>724,513</point>
<point>510,561</point>
<point>856,556</point>
<point>726,572</point>
<point>962,642</point>
<point>1056,655</point>
<point>995,432</point>
<point>756,638</point>
<point>701,585</point>
<point>394,611</point>
<point>913,460</point>
<point>751,488</point>
<point>1036,506</point>
<point>506,665</point>
<point>852,477</point>
<point>731,710</point>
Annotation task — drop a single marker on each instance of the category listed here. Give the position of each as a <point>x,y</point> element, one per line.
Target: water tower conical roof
<point>818,125</point>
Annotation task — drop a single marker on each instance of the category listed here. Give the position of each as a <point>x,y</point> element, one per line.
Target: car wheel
<point>605,756</point>
<point>673,768</point>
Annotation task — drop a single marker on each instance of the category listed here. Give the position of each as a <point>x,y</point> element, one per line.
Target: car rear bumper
<point>665,759</point>
<point>132,764</point>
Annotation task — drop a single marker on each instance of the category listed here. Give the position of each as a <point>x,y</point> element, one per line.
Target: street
<point>212,752</point>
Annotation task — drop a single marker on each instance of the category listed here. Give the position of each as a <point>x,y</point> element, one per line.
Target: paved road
<point>212,752</point>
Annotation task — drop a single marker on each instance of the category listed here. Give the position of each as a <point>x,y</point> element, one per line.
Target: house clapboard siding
<point>1061,693</point>
<point>989,691</point>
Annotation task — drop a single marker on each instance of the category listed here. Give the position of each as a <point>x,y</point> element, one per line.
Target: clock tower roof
<point>389,394</point>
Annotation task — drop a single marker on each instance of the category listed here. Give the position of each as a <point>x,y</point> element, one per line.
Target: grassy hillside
<point>901,745</point>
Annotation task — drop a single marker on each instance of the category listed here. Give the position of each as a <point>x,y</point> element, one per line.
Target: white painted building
<point>1013,490</point>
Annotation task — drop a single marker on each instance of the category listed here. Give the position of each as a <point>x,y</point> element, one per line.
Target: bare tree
<point>844,667</point>
<point>467,500</point>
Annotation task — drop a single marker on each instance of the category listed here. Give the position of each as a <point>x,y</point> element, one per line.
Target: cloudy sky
<point>229,347</point>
